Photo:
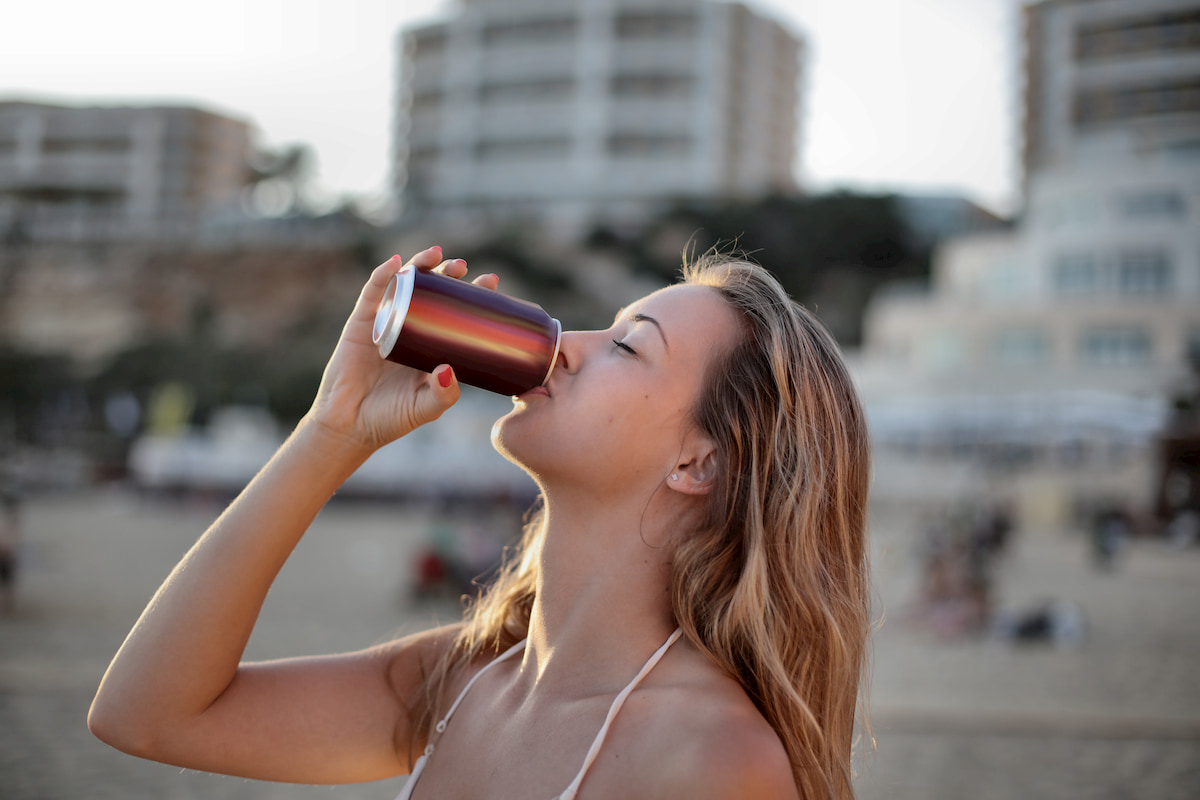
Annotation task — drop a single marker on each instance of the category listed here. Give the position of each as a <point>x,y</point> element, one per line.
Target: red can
<point>492,341</point>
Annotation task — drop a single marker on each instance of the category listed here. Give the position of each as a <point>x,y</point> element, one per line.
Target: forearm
<point>184,650</point>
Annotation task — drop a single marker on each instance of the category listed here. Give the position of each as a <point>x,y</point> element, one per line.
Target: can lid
<point>554,355</point>
<point>392,310</point>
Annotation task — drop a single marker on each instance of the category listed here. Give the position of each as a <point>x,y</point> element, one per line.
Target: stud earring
<point>674,476</point>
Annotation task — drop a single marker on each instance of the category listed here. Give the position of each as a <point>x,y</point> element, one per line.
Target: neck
<point>603,597</point>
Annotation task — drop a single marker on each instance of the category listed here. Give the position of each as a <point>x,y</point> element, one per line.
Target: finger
<point>454,268</point>
<point>488,280</point>
<point>383,273</point>
<point>428,258</point>
<point>373,290</point>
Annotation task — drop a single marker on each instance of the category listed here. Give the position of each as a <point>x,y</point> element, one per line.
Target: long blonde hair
<point>774,586</point>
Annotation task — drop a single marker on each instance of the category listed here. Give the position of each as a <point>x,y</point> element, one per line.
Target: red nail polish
<point>444,376</point>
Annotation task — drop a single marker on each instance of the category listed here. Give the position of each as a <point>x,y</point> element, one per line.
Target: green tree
<point>829,251</point>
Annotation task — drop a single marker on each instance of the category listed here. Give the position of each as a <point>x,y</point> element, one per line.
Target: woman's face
<point>616,408</point>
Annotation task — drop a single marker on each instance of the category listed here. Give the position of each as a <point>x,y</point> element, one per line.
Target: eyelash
<point>625,347</point>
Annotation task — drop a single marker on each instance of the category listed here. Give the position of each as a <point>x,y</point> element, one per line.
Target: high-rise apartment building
<point>1107,78</point>
<point>569,110</point>
<point>116,168</point>
<point>1060,342</point>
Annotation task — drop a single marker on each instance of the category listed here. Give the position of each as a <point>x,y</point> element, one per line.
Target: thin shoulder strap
<point>570,792</point>
<point>516,648</point>
<point>440,728</point>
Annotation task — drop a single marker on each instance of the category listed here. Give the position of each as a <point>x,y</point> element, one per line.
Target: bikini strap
<point>441,726</point>
<point>424,758</point>
<point>570,792</point>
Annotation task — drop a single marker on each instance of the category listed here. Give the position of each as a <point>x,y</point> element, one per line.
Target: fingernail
<point>445,375</point>
<point>435,247</point>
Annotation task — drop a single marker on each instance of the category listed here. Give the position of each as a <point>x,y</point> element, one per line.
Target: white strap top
<point>573,788</point>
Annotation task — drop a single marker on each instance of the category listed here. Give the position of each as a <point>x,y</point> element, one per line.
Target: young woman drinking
<point>686,615</point>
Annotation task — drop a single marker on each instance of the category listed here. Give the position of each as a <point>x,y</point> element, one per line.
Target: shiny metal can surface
<point>493,341</point>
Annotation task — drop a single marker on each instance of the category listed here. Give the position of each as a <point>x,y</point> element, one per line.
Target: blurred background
<point>994,206</point>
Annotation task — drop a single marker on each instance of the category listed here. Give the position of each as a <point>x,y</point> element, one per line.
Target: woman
<point>686,616</point>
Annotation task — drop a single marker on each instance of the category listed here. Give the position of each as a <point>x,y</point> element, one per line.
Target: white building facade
<point>116,168</point>
<point>571,110</point>
<point>1058,344</point>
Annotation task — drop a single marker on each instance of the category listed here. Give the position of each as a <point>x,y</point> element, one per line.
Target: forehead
<point>687,313</point>
<point>679,301</point>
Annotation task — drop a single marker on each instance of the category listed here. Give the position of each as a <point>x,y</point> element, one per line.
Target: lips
<point>537,391</point>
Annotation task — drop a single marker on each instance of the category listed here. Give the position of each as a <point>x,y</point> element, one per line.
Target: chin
<point>513,440</point>
<point>506,441</point>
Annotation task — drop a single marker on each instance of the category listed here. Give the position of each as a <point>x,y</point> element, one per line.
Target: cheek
<point>645,417</point>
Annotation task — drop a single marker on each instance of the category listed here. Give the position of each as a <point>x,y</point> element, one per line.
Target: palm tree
<point>278,181</point>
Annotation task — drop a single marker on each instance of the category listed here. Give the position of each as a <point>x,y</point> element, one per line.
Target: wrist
<point>339,449</point>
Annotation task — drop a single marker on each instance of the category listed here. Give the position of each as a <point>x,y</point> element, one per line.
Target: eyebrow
<point>654,322</point>
<point>644,318</point>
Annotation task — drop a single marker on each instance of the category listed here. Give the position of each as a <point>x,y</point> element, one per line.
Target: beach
<point>1115,714</point>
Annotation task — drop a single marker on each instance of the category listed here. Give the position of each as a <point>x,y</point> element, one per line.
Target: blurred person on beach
<point>686,615</point>
<point>10,542</point>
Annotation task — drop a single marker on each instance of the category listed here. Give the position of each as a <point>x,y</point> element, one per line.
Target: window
<point>634,144</point>
<point>513,149</point>
<point>426,102</point>
<point>1115,346</point>
<point>1076,275</point>
<point>1113,104</point>
<point>1146,273</point>
<point>1185,151</point>
<point>1019,346</point>
<point>429,43</point>
<point>521,91</point>
<point>1167,31</point>
<point>650,86</point>
<point>422,154</point>
<point>544,30</point>
<point>1192,346</point>
<point>1073,211</point>
<point>75,146</point>
<point>655,24</point>
<point>1152,205</point>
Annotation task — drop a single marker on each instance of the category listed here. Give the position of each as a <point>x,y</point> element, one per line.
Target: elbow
<point>119,729</point>
<point>104,724</point>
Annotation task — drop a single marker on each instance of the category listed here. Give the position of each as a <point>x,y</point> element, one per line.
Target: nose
<point>567,354</point>
<point>573,349</point>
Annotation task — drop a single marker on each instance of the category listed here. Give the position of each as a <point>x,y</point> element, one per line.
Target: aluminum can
<point>493,341</point>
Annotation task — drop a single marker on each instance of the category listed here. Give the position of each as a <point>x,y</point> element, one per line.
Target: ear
<point>696,469</point>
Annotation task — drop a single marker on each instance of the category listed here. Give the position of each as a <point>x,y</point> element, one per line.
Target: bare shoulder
<point>736,754</point>
<point>705,738</point>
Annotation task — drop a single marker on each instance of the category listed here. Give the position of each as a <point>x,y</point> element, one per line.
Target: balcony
<point>84,171</point>
<point>526,119</point>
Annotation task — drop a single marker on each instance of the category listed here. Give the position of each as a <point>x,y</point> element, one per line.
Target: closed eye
<point>625,347</point>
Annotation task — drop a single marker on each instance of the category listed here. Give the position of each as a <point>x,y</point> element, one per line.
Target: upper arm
<point>321,720</point>
<point>747,763</point>
<point>731,752</point>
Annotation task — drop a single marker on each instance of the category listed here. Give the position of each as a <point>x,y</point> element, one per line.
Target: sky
<point>899,95</point>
